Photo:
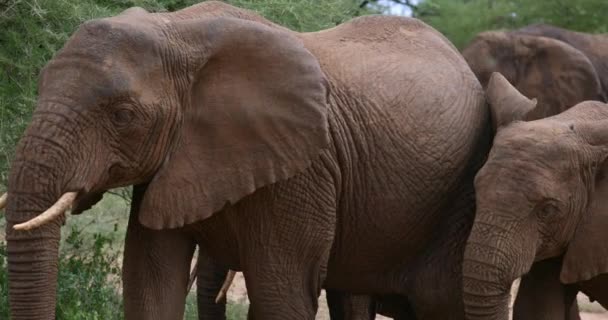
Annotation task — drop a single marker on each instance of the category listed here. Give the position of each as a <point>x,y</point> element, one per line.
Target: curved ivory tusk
<point>3,200</point>
<point>51,213</point>
<point>225,286</point>
<point>192,277</point>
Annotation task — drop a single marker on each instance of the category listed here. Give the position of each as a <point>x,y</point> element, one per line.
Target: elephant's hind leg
<point>210,277</point>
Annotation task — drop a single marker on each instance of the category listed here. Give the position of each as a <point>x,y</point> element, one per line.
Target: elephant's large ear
<point>555,73</point>
<point>257,114</point>
<point>506,103</point>
<point>587,253</point>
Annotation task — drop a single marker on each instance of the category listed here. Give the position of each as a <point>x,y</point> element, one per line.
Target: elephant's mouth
<point>86,201</point>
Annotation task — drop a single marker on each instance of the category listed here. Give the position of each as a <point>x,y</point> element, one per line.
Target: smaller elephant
<point>555,73</point>
<point>542,211</point>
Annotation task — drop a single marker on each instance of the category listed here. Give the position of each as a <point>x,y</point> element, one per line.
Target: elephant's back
<point>408,118</point>
<point>594,46</point>
<point>400,75</point>
<point>402,67</point>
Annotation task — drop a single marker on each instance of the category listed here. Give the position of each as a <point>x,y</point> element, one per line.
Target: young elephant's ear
<point>256,113</point>
<point>506,103</point>
<point>587,253</point>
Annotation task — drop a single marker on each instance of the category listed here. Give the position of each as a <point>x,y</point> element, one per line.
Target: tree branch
<point>363,4</point>
<point>407,3</point>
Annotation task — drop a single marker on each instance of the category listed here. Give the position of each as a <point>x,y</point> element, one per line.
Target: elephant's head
<point>556,74</point>
<point>542,193</point>
<point>201,111</point>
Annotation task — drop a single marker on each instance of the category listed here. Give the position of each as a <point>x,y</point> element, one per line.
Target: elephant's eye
<point>122,117</point>
<point>548,210</point>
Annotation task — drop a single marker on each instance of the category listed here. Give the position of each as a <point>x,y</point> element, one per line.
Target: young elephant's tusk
<point>225,286</point>
<point>51,213</point>
<point>3,201</point>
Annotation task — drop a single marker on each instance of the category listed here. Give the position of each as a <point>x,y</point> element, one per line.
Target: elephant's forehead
<point>534,132</point>
<point>81,80</point>
<point>535,140</point>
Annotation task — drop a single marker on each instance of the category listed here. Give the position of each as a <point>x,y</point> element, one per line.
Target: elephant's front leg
<point>156,269</point>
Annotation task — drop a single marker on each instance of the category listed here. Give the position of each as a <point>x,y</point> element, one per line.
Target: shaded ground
<point>238,292</point>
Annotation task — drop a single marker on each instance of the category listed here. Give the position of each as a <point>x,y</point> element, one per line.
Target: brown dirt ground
<point>238,292</point>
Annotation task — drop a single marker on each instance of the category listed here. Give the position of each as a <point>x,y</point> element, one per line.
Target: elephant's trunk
<point>32,271</point>
<point>34,186</point>
<point>496,254</point>
<point>32,258</point>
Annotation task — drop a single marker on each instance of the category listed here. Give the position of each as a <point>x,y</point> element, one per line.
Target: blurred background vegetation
<point>31,31</point>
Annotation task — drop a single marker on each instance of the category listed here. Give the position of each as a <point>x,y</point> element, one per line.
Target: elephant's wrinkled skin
<point>342,158</point>
<point>594,46</point>
<point>551,71</point>
<point>541,197</point>
<point>558,75</point>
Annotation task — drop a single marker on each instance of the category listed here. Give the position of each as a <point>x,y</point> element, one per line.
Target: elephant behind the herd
<point>342,159</point>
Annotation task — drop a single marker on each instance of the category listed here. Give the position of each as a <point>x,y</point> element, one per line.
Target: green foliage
<point>304,15</point>
<point>235,310</point>
<point>89,279</point>
<point>461,20</point>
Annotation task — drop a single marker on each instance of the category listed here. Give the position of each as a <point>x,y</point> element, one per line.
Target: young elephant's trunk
<point>495,256</point>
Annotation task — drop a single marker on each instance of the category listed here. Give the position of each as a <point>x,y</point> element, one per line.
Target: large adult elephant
<point>594,46</point>
<point>342,158</point>
<point>541,211</point>
<point>553,72</point>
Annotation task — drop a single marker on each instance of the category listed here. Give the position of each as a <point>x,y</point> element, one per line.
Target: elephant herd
<point>373,160</point>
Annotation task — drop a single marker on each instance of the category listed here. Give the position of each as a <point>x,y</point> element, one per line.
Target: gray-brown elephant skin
<point>553,72</point>
<point>593,46</point>
<point>341,159</point>
<point>541,211</point>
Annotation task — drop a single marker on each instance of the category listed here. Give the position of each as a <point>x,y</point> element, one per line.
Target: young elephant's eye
<point>122,117</point>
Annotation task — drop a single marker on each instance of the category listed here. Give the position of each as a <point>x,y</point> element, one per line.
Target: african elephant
<point>594,46</point>
<point>342,158</point>
<point>541,211</point>
<point>555,73</point>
